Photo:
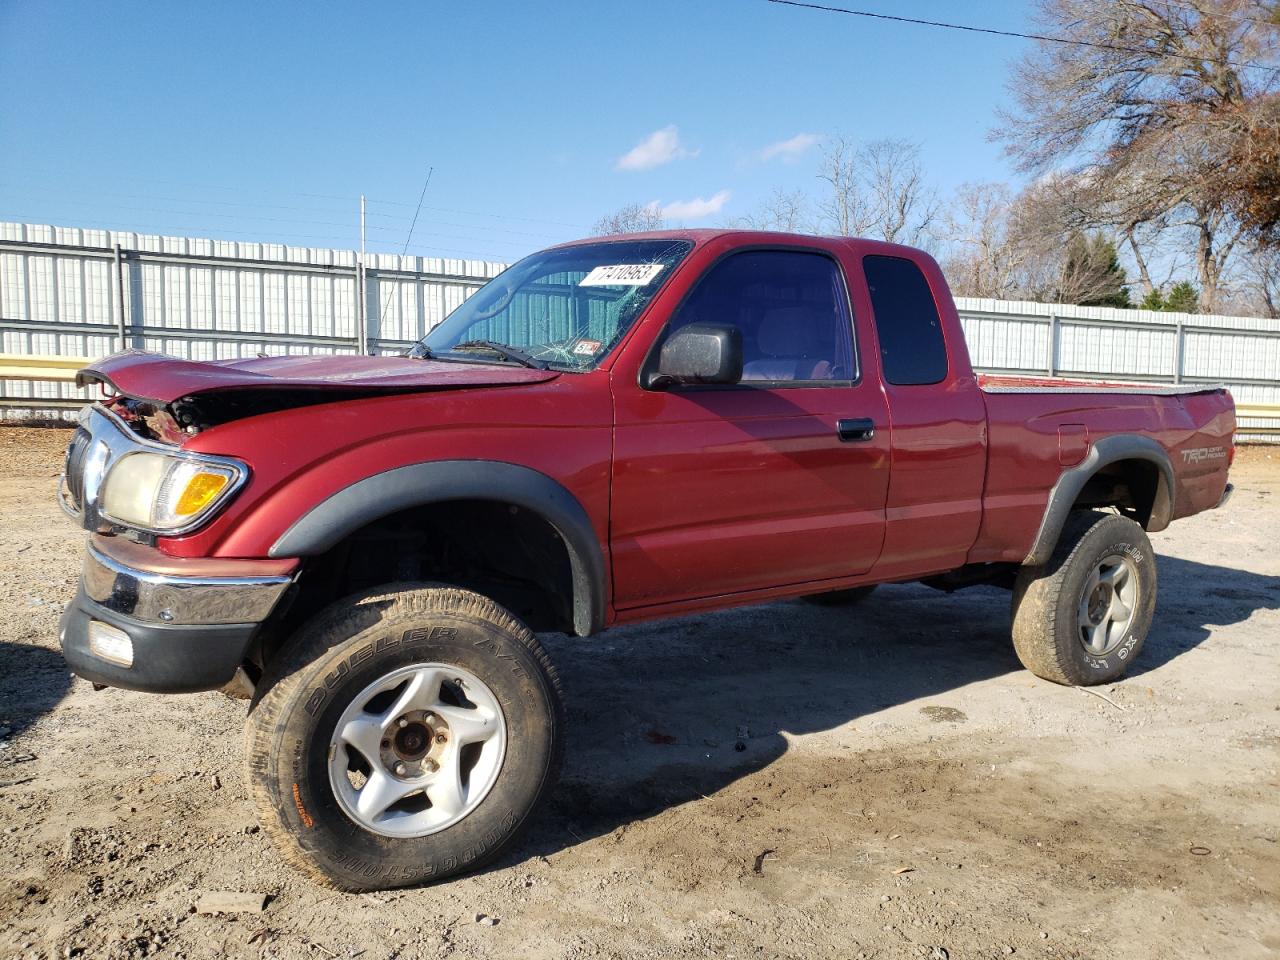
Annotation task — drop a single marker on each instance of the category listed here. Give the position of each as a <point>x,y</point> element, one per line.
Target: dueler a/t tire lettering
<point>338,654</point>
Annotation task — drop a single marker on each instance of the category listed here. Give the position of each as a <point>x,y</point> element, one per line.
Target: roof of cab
<point>703,235</point>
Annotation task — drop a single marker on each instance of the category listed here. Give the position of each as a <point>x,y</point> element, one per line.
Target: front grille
<point>77,450</point>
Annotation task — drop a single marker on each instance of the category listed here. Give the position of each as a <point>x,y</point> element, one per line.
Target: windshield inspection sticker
<point>621,275</point>
<point>587,348</point>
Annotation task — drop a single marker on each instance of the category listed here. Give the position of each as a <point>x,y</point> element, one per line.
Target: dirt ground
<point>904,789</point>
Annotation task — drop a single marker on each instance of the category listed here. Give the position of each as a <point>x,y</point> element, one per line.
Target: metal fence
<point>79,292</point>
<point>1063,340</point>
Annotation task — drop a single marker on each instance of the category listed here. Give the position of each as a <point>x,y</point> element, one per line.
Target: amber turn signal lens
<point>199,492</point>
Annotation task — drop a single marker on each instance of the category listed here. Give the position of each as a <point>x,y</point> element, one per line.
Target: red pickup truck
<point>610,431</point>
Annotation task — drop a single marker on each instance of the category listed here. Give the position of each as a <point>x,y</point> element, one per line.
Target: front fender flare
<point>1112,449</point>
<point>420,484</point>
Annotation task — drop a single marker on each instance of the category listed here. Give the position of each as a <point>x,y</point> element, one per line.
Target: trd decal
<point>1201,454</point>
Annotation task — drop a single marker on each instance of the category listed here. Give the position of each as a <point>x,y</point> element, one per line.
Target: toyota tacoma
<point>610,431</point>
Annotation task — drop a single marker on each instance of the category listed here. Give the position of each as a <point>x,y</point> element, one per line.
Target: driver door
<point>722,490</point>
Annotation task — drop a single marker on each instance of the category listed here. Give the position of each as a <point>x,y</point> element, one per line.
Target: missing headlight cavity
<point>148,420</point>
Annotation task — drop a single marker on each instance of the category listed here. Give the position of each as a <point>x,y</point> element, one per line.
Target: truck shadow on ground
<point>33,680</point>
<point>1192,599</point>
<point>663,714</point>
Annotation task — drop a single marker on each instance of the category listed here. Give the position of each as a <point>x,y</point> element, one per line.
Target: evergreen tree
<point>1154,300</point>
<point>1091,272</point>
<point>1103,253</point>
<point>1183,298</point>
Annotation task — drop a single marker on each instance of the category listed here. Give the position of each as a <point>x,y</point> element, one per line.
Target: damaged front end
<point>188,416</point>
<point>147,619</point>
<point>120,476</point>
<point>167,398</point>
<point>142,619</point>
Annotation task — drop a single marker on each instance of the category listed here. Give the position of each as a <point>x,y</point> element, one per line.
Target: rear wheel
<point>403,737</point>
<point>840,598</point>
<point>1081,619</point>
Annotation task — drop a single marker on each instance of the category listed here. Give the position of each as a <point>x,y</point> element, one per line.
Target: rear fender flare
<point>1112,449</point>
<point>420,484</point>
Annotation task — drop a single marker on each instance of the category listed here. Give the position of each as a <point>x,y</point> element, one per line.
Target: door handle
<point>850,430</point>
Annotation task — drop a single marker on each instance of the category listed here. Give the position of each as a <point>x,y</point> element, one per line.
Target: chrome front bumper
<point>190,623</point>
<point>154,597</point>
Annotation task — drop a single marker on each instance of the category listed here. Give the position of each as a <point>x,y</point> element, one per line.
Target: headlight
<point>166,494</point>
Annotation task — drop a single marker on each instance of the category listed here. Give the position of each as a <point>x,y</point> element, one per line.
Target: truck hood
<point>161,379</point>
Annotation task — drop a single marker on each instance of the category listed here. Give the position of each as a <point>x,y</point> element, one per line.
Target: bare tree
<point>788,211</point>
<point>1266,280</point>
<point>1024,247</point>
<point>1057,259</point>
<point>982,261</point>
<point>1142,237</point>
<point>845,209</point>
<point>1151,111</point>
<point>1251,182</point>
<point>1257,292</point>
<point>876,190</point>
<point>902,204</point>
<point>633,218</point>
<point>1075,200</point>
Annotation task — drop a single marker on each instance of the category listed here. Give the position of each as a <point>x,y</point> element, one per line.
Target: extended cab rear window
<point>912,350</point>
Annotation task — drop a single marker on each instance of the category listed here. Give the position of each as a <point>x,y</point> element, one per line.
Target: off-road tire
<point>1047,600</point>
<point>335,656</point>
<point>840,598</point>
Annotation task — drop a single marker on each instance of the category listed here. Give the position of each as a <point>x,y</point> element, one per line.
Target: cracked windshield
<point>562,308</point>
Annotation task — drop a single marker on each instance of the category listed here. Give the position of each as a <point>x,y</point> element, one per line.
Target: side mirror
<point>700,353</point>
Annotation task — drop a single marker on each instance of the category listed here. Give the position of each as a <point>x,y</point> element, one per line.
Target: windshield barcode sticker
<point>621,275</point>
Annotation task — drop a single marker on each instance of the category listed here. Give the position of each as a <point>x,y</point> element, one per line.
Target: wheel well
<point>505,552</point>
<point>1135,487</point>
<point>1128,472</point>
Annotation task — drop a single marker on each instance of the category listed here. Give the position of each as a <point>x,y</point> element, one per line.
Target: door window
<point>792,309</point>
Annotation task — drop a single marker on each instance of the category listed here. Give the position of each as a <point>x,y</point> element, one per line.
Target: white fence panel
<point>77,292</point>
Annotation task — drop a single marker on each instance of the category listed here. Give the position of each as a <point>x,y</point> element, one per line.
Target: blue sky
<point>266,121</point>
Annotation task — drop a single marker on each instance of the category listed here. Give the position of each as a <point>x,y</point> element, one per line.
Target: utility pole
<point>122,322</point>
<point>362,332</point>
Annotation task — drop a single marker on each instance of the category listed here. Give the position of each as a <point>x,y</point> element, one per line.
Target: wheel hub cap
<point>413,742</point>
<point>417,750</point>
<point>416,745</point>
<point>1107,605</point>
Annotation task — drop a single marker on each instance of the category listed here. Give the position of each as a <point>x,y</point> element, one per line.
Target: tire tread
<point>1037,597</point>
<point>335,625</point>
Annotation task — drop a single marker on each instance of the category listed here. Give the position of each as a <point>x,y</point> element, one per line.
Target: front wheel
<point>403,737</point>
<point>1081,619</point>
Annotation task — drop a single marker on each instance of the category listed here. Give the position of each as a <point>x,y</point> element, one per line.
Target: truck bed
<point>1039,426</point>
<point>1002,383</point>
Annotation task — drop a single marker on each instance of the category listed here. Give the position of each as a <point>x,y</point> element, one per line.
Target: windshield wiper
<point>503,350</point>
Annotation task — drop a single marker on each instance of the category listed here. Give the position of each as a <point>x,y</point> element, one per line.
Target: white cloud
<point>694,209</point>
<point>789,151</point>
<point>661,146</point>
